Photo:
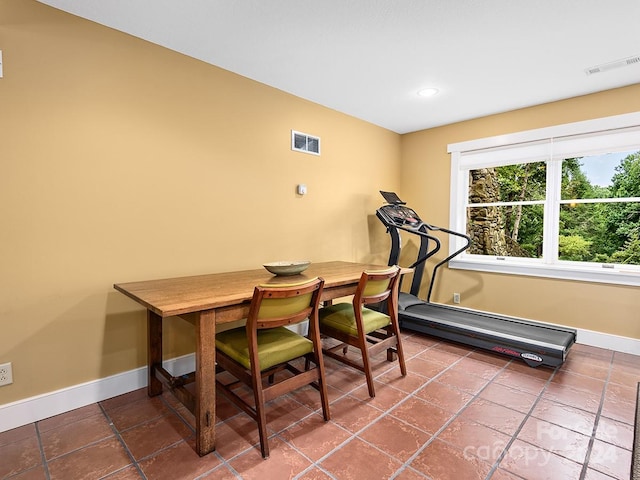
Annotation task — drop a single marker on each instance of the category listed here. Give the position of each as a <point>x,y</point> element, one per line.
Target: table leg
<point>154,352</point>
<point>205,411</point>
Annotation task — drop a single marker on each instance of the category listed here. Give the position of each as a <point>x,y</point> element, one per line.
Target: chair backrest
<point>376,286</point>
<point>284,304</point>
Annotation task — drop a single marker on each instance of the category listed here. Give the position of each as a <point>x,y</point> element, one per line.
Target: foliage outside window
<point>561,202</point>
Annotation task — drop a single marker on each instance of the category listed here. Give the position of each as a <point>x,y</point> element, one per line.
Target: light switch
<point>302,189</point>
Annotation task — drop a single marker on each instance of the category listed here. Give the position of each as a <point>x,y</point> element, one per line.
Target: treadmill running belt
<point>491,324</point>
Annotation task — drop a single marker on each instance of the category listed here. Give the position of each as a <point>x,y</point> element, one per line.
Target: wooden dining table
<point>207,301</point>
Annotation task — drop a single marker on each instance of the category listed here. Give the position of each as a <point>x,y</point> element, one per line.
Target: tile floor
<point>459,414</point>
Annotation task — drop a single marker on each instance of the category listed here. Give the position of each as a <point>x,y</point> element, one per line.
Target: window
<point>559,202</point>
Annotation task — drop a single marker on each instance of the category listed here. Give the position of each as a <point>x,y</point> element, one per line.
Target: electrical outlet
<point>6,374</point>
<point>456,298</point>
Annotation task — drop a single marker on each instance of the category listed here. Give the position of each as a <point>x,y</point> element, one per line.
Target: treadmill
<point>536,343</point>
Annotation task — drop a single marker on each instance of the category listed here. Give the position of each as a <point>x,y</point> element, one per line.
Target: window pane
<point>506,231</point>
<point>600,232</point>
<point>598,176</point>
<point>509,183</point>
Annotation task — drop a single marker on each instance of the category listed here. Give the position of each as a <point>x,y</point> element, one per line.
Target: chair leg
<point>322,384</point>
<point>399,350</point>
<point>392,350</point>
<point>367,366</point>
<point>261,417</point>
<point>403,366</point>
<point>324,397</point>
<point>391,356</point>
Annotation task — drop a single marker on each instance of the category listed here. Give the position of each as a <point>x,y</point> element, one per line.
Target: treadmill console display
<point>400,216</point>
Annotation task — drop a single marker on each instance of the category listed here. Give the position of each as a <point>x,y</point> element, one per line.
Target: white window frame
<point>551,144</point>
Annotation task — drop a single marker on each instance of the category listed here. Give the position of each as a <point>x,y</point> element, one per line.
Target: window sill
<point>582,272</point>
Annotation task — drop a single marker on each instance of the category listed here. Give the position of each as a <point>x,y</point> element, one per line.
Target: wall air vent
<point>625,62</point>
<point>303,142</point>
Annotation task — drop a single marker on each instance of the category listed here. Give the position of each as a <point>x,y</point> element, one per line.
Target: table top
<point>182,295</point>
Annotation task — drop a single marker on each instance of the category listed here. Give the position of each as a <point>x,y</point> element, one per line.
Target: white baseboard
<point>608,341</point>
<point>23,412</point>
<point>29,410</point>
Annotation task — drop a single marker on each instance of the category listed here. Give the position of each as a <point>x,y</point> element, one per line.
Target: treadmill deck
<point>535,343</point>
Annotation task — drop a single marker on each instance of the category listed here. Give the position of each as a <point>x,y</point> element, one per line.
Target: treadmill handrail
<point>434,271</point>
<point>417,229</point>
<point>393,229</point>
<point>467,240</point>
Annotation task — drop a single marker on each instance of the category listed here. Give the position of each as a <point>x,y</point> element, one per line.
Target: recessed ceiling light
<point>428,92</point>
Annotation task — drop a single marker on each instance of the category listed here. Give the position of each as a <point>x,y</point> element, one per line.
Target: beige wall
<point>425,186</point>
<point>124,161</point>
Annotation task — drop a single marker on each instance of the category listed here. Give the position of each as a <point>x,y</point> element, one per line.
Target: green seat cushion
<point>341,317</point>
<point>275,346</point>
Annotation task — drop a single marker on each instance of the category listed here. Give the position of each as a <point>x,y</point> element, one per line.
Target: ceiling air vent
<point>303,142</point>
<point>625,62</point>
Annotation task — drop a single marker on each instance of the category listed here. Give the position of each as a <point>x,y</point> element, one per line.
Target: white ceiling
<point>368,58</point>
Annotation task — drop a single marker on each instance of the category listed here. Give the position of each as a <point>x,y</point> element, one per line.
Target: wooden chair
<point>261,355</point>
<point>366,329</point>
